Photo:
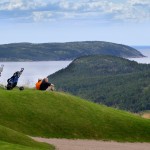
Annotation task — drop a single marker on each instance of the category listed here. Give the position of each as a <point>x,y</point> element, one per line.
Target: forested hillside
<point>63,51</point>
<point>108,80</point>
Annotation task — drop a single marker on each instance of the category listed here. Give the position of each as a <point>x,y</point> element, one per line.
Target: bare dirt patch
<point>146,115</point>
<point>65,144</point>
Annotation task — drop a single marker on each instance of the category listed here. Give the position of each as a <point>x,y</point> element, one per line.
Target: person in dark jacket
<point>46,86</point>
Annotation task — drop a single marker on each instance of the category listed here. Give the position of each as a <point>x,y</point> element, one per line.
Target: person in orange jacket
<point>38,84</point>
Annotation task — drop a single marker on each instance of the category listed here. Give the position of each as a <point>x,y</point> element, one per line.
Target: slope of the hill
<point>53,114</point>
<point>63,51</point>
<point>12,140</point>
<point>109,80</point>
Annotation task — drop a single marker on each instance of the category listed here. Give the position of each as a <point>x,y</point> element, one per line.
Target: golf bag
<point>12,82</point>
<point>1,69</point>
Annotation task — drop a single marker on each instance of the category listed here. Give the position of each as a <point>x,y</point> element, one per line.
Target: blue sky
<point>38,21</point>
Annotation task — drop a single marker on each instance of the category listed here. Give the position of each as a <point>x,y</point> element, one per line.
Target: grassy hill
<point>109,80</point>
<point>13,140</point>
<point>60,115</point>
<point>63,51</point>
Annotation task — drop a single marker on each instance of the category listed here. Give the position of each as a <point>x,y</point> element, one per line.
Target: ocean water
<point>32,71</point>
<point>146,52</point>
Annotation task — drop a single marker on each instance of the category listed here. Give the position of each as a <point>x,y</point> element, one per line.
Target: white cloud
<point>137,2</point>
<point>10,5</point>
<point>64,4</point>
<point>42,10</point>
<point>53,16</point>
<point>21,4</point>
<point>42,16</point>
<point>132,12</point>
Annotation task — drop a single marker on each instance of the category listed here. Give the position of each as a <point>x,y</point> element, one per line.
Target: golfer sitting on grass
<point>46,86</point>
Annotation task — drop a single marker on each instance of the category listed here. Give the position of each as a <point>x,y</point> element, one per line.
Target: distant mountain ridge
<point>63,51</point>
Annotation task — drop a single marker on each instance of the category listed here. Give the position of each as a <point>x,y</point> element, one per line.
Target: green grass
<point>10,146</point>
<point>10,139</point>
<point>60,115</point>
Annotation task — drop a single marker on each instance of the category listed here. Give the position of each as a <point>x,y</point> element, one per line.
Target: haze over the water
<point>146,52</point>
<point>38,21</point>
<point>32,71</point>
